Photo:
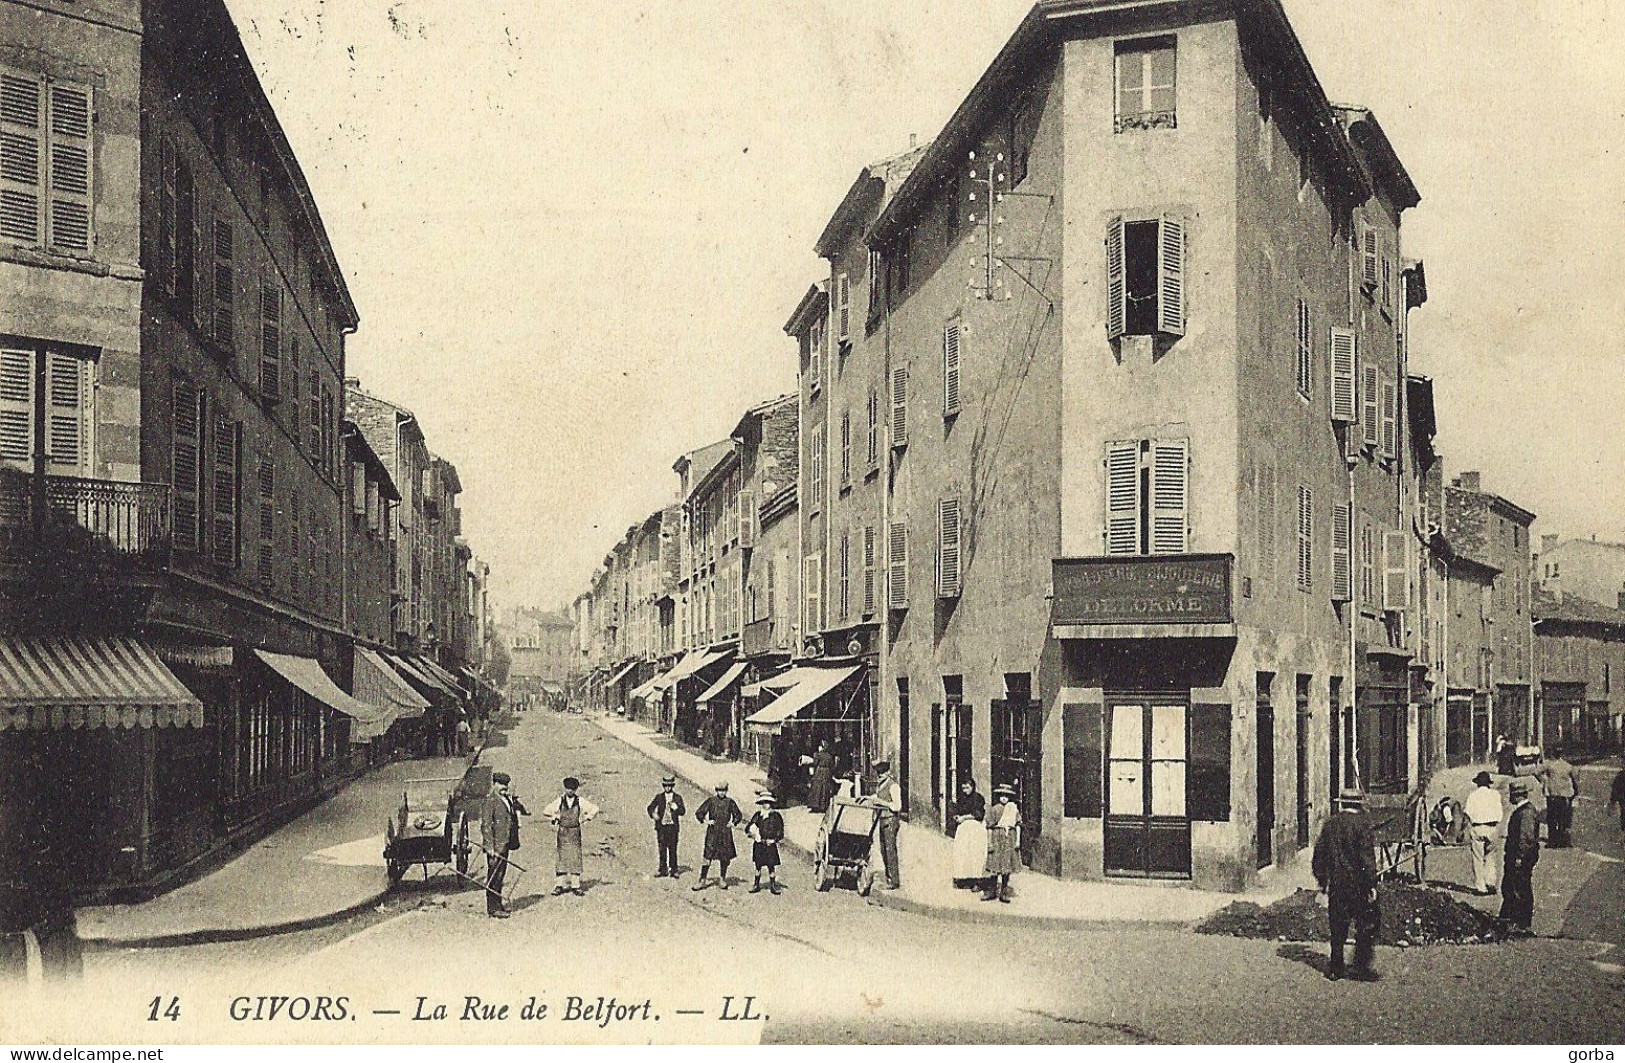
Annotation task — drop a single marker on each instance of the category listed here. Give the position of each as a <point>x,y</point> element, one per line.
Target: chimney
<point>1548,543</point>
<point>1467,481</point>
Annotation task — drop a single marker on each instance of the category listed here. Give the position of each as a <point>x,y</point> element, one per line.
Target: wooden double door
<point>1147,826</point>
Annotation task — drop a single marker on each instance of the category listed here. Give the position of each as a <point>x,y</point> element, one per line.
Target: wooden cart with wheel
<point>845,839</point>
<point>431,826</point>
<point>1403,838</point>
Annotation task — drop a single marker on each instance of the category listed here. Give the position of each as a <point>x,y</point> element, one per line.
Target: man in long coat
<point>721,815</point>
<point>1522,849</point>
<point>1345,866</point>
<point>823,778</point>
<point>667,811</point>
<point>499,830</point>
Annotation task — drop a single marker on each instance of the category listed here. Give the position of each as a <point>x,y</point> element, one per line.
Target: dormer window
<point>1145,84</point>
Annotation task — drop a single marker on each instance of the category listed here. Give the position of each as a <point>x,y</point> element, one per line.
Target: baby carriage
<point>844,840</point>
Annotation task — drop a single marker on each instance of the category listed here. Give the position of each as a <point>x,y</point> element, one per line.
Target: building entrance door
<point>1147,830</point>
<point>1266,784</point>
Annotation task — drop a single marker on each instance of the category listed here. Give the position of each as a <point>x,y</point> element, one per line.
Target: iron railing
<point>84,515</point>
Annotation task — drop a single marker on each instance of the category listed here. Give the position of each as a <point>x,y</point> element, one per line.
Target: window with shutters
<point>952,335</point>
<point>815,469</point>
<point>843,600</point>
<point>899,407</point>
<point>812,575</point>
<point>227,457</point>
<point>870,548</point>
<point>1387,264</point>
<point>1145,277</point>
<point>47,163</point>
<point>1342,575</point>
<point>1370,255</point>
<point>846,448</point>
<point>1390,420</point>
<point>54,421</point>
<point>330,432</point>
<point>815,355</point>
<point>1306,539</point>
<point>877,286</point>
<point>1145,84</point>
<point>874,426</point>
<point>225,285</point>
<point>267,538</point>
<point>271,342</point>
<point>950,545</point>
<point>897,565</point>
<point>843,308</point>
<point>1370,405</point>
<point>313,429</point>
<point>1264,488</point>
<point>1306,350</point>
<point>186,467</point>
<point>1345,356</point>
<point>1395,573</point>
<point>1147,496</point>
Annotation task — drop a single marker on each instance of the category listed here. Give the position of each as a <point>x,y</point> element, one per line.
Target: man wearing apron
<point>568,815</point>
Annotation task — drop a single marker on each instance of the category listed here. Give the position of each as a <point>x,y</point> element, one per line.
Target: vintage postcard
<point>957,521</point>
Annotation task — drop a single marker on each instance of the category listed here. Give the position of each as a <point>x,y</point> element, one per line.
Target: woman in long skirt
<point>1003,843</point>
<point>567,815</point>
<point>970,836</point>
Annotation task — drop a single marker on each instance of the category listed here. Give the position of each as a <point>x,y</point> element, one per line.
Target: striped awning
<point>431,666</point>
<point>53,684</point>
<point>306,674</point>
<point>376,683</point>
<point>413,667</point>
<point>620,675</point>
<point>814,684</point>
<point>720,687</point>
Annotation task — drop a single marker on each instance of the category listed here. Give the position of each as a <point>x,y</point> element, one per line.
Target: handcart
<point>431,824</point>
<point>845,839</point>
<point>1403,836</point>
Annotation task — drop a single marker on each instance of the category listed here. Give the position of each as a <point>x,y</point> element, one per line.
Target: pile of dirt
<point>1411,915</point>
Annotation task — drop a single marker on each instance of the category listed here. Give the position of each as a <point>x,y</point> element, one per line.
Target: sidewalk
<point>321,868</point>
<point>926,858</point>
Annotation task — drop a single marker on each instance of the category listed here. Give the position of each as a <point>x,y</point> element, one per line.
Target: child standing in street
<point>766,830</point>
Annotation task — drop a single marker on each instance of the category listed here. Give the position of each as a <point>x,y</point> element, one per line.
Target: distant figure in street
<point>846,787</point>
<point>888,798</point>
<point>1561,785</point>
<point>1345,866</point>
<point>823,778</point>
<point>1483,811</point>
<point>465,737</point>
<point>1616,795</point>
<point>1522,851</point>
<point>721,815</point>
<point>499,830</point>
<point>970,835</point>
<point>1003,843</point>
<point>567,814</point>
<point>667,811</point>
<point>1506,756</point>
<point>766,831</point>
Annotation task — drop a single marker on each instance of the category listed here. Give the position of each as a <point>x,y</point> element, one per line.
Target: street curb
<point>224,935</point>
<point>890,899</point>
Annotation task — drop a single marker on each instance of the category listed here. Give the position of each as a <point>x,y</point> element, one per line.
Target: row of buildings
<point>1108,475</point>
<point>226,570</point>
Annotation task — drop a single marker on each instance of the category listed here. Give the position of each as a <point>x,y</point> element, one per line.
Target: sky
<point>574,231</point>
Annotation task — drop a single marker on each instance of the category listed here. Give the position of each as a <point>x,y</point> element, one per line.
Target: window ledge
<point>1146,120</point>
<point>30,256</point>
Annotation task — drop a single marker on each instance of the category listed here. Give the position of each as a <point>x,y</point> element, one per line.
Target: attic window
<point>1145,84</point>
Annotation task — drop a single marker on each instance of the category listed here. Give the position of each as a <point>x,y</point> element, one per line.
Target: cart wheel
<point>1421,865</point>
<point>396,870</point>
<point>461,849</point>
<point>823,875</point>
<point>866,881</point>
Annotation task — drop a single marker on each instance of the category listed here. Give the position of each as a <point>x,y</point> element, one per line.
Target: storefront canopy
<point>413,667</point>
<point>657,685</point>
<point>694,662</point>
<point>783,681</point>
<point>720,687</point>
<point>53,684</point>
<point>379,684</point>
<point>810,685</point>
<point>307,675</point>
<point>620,675</point>
<point>451,682</point>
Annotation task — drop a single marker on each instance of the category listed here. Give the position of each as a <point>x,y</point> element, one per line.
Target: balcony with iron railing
<point>104,522</point>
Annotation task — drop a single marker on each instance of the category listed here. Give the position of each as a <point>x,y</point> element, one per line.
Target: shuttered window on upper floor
<point>47,162</point>
<point>1145,277</point>
<point>1306,538</point>
<point>950,548</point>
<point>1147,496</point>
<point>952,340</point>
<point>1306,350</point>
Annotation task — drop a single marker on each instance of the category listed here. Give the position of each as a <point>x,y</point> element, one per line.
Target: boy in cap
<point>499,829</point>
<point>667,811</point>
<point>1483,812</point>
<point>1522,850</point>
<point>720,815</point>
<point>1345,866</point>
<point>766,830</point>
<point>568,813</point>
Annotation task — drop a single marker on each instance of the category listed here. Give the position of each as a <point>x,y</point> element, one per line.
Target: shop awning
<point>783,681</point>
<point>413,667</point>
<point>620,675</point>
<point>813,684</point>
<point>449,681</point>
<point>54,684</point>
<point>657,685</point>
<point>218,659</point>
<point>694,662</point>
<point>720,687</point>
<point>380,684</point>
<point>307,675</point>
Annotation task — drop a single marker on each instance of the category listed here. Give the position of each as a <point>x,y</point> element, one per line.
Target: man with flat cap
<point>1522,849</point>
<point>1483,812</point>
<point>721,815</point>
<point>667,811</point>
<point>499,829</point>
<point>888,799</point>
<point>567,814</point>
<point>1345,866</point>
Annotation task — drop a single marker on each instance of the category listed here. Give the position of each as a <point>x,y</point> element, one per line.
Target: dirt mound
<point>1411,915</point>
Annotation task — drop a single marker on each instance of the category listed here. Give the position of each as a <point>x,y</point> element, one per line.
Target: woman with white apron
<point>970,836</point>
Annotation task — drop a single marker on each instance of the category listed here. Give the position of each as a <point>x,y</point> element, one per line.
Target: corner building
<point>1126,464</point>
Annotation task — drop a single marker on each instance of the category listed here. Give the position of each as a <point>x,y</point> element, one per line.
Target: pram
<point>845,839</point>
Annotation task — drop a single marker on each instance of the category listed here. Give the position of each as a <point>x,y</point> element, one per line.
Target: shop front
<point>818,701</point>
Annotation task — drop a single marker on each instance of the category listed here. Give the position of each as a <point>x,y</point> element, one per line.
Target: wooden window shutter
<point>1395,584</point>
<point>225,284</point>
<point>1170,496</point>
<point>874,424</point>
<point>812,575</point>
<point>1306,541</point>
<point>816,477</point>
<point>314,441</point>
<point>949,548</point>
<point>869,573</point>
<point>165,242</point>
<point>950,368</point>
<point>843,307</point>
<point>1342,563</point>
<point>1345,351</point>
<point>846,447</point>
<point>227,467</point>
<point>1368,565</point>
<point>267,538</point>
<point>1306,349</point>
<point>358,488</point>
<point>22,156</point>
<point>815,355</point>
<point>271,342</point>
<point>202,263</point>
<point>1370,405</point>
<point>1390,419</point>
<point>72,171</point>
<point>67,435</point>
<point>1082,760</point>
<point>1123,497</point>
<point>897,565</point>
<point>1116,281</point>
<point>843,597</point>
<point>899,406</point>
<point>1369,257</point>
<point>747,520</point>
<point>17,408</point>
<point>1207,778</point>
<point>1171,276</point>
<point>186,468</point>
